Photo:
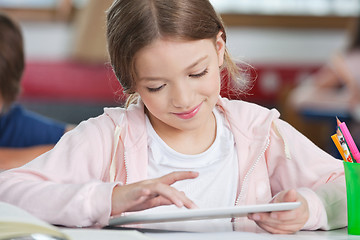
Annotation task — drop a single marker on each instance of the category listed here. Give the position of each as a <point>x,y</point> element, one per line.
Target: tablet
<point>198,214</point>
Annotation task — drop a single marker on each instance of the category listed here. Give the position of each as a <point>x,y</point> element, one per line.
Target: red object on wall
<point>68,81</point>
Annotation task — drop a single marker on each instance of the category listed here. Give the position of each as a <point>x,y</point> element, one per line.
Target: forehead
<point>171,53</point>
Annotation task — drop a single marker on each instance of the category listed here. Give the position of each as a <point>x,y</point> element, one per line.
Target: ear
<point>220,48</point>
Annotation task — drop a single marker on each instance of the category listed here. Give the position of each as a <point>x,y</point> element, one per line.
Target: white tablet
<point>198,214</point>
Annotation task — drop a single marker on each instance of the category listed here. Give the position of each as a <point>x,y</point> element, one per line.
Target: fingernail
<point>194,206</point>
<point>179,204</point>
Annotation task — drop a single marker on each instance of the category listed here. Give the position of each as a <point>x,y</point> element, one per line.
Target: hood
<point>251,121</point>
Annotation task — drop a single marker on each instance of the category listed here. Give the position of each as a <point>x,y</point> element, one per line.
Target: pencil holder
<point>352,177</point>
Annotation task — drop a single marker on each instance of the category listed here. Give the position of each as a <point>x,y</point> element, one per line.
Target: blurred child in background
<point>23,134</point>
<point>334,87</point>
<point>334,90</point>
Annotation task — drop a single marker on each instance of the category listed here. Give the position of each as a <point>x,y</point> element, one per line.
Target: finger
<point>148,199</point>
<point>155,202</point>
<point>161,200</point>
<point>188,203</point>
<point>297,217</point>
<point>284,215</point>
<point>170,193</point>
<point>276,229</point>
<point>274,225</point>
<point>268,218</point>
<point>286,196</point>
<point>178,176</point>
<point>290,196</point>
<point>150,203</point>
<point>281,227</point>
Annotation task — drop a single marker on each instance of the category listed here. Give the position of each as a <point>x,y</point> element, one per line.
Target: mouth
<point>189,114</point>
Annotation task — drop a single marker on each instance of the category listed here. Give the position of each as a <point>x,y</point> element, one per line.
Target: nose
<point>181,95</point>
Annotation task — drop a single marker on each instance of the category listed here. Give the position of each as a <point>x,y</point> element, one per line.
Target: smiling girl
<point>178,142</point>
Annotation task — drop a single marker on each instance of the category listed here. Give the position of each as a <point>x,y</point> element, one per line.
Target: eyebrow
<point>187,68</point>
<point>197,62</point>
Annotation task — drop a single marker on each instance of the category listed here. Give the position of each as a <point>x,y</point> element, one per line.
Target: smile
<point>189,114</point>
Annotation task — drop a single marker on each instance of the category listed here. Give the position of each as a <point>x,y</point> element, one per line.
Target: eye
<point>199,75</point>
<point>156,89</point>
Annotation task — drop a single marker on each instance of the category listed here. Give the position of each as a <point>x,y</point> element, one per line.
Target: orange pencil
<point>343,143</point>
<point>344,146</point>
<point>338,146</point>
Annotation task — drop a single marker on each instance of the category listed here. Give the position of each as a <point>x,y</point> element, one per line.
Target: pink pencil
<point>350,141</point>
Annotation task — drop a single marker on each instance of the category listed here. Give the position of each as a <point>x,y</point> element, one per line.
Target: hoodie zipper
<point>126,167</point>
<point>244,182</point>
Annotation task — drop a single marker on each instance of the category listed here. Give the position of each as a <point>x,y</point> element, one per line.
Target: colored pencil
<point>338,146</point>
<point>350,142</point>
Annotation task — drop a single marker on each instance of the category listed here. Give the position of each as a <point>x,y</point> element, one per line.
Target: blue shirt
<point>22,128</point>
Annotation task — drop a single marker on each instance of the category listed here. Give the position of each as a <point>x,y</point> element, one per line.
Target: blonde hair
<point>134,24</point>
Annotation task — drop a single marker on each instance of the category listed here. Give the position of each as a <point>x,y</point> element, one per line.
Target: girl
<point>178,142</point>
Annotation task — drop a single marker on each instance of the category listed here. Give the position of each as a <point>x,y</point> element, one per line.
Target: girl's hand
<point>151,193</point>
<point>284,222</point>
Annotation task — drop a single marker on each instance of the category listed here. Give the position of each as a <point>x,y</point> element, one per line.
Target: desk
<point>206,229</point>
<point>222,229</point>
<point>105,234</point>
<point>318,235</point>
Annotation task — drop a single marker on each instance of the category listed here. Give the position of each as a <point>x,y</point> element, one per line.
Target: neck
<point>190,141</point>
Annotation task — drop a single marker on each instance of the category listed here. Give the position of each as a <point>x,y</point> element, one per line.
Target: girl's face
<point>179,82</point>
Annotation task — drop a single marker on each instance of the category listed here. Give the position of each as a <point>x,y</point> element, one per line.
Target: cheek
<point>148,101</point>
<point>152,102</point>
<point>212,86</point>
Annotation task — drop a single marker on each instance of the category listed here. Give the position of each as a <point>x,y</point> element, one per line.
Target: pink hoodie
<point>72,184</point>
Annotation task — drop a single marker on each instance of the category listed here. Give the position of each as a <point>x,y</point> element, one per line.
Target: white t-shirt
<point>217,183</point>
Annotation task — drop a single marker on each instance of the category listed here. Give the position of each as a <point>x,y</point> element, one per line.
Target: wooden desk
<point>287,21</point>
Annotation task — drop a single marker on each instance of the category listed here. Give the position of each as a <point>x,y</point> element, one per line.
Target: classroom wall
<point>53,40</point>
<point>284,45</point>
